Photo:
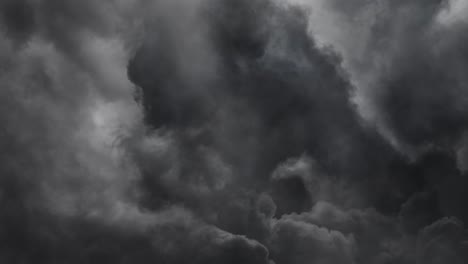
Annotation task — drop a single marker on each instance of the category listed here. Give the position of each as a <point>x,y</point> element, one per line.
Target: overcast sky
<point>234,131</point>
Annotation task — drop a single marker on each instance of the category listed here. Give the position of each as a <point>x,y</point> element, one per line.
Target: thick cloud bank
<point>233,131</point>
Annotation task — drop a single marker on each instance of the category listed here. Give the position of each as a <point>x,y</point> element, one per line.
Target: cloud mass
<point>233,131</point>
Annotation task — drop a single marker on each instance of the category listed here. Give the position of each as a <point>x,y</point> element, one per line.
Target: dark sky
<point>234,131</point>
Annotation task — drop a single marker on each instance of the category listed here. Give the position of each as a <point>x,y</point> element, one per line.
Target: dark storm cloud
<point>414,61</point>
<point>275,95</point>
<point>68,194</point>
<point>272,93</point>
<point>299,242</point>
<point>53,163</point>
<point>59,20</point>
<point>368,233</point>
<point>414,90</point>
<point>18,19</point>
<point>409,83</point>
<point>420,210</point>
<point>423,90</point>
<point>443,241</point>
<point>243,140</point>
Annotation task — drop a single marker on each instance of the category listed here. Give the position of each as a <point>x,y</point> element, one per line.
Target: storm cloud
<point>233,131</point>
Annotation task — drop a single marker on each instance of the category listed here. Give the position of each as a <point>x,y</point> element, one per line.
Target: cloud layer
<point>261,131</point>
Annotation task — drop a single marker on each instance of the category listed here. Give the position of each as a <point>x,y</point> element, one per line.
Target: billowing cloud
<point>262,131</point>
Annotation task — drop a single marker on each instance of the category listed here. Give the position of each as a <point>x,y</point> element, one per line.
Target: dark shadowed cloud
<point>264,131</point>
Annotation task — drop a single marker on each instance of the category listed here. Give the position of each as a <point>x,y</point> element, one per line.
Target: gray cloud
<point>299,242</point>
<point>232,131</point>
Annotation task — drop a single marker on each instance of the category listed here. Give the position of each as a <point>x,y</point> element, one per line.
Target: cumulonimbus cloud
<point>207,131</point>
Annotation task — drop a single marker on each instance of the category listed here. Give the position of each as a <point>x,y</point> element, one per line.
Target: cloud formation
<point>261,131</point>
